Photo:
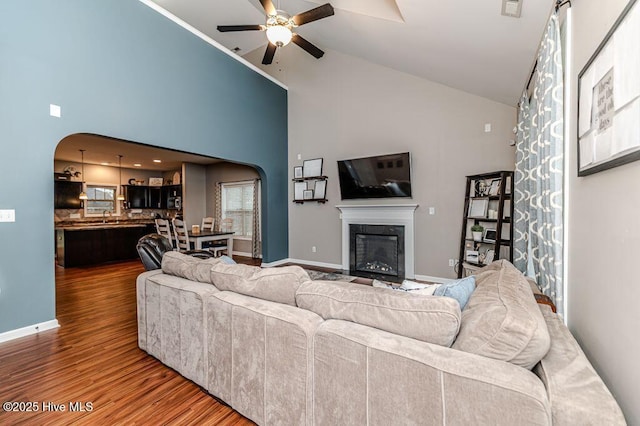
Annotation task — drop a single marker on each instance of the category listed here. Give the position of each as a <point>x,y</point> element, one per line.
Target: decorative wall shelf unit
<point>487,202</point>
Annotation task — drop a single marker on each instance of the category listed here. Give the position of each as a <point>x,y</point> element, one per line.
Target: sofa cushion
<point>428,318</point>
<point>502,319</point>
<point>189,267</point>
<point>274,284</point>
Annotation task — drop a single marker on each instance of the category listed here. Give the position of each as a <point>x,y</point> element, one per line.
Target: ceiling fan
<point>280,26</point>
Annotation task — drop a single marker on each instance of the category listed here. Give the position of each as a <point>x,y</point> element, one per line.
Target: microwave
<point>174,203</point>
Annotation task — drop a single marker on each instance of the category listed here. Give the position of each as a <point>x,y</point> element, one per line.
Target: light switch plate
<point>8,215</point>
<point>55,110</point>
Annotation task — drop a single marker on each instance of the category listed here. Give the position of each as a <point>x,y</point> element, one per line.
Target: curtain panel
<point>539,197</point>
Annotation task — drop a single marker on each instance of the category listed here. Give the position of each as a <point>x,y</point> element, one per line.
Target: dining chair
<point>181,235</point>
<point>163,227</point>
<point>207,223</point>
<point>226,225</point>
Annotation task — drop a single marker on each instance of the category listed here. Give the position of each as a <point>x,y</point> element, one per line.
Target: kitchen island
<point>94,243</point>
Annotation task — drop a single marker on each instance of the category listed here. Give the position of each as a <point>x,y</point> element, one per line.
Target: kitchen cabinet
<point>156,200</point>
<point>136,196</point>
<point>91,245</point>
<point>152,197</point>
<point>66,194</point>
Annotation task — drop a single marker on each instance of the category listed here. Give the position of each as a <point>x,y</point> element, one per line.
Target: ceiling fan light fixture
<point>279,35</point>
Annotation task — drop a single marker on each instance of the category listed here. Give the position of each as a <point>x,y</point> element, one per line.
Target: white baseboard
<point>319,264</point>
<point>243,253</point>
<point>275,263</point>
<point>28,330</point>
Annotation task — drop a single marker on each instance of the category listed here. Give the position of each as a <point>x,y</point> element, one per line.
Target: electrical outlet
<point>313,249</point>
<point>452,262</point>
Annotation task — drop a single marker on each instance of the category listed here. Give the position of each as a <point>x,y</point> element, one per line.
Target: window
<point>101,200</point>
<point>237,204</point>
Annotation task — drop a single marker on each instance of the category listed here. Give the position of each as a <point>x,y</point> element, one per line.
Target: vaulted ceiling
<point>464,44</point>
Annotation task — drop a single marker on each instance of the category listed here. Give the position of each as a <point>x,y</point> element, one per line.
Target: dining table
<point>203,236</point>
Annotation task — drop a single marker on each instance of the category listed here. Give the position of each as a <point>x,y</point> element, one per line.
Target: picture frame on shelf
<point>494,187</point>
<point>307,194</point>
<point>155,181</point>
<point>312,168</point>
<point>488,257</point>
<point>489,235</point>
<point>320,189</point>
<point>478,208</point>
<point>298,190</point>
<point>297,172</point>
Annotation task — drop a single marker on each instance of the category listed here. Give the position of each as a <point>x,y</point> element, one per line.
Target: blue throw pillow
<point>227,260</point>
<point>459,289</point>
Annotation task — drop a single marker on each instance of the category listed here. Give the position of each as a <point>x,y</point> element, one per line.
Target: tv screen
<point>381,176</point>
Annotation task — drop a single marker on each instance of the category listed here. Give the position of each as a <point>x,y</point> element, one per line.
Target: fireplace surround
<point>393,215</point>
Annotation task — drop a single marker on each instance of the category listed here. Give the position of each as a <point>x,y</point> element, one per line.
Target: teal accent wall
<point>120,69</point>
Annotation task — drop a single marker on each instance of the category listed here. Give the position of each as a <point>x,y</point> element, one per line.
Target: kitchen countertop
<point>99,225</point>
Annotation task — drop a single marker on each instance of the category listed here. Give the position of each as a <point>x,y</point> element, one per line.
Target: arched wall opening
<point>174,184</point>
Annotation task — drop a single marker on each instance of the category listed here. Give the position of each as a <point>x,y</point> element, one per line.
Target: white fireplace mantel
<point>380,214</point>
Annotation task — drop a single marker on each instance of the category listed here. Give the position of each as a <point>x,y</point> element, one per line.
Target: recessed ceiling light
<point>157,161</point>
<point>104,164</point>
<point>137,165</point>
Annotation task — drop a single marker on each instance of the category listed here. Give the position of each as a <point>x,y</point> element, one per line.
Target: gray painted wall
<point>194,189</point>
<point>119,69</point>
<point>604,235</point>
<point>343,107</point>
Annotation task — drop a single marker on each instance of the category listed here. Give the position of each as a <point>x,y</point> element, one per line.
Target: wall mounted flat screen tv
<point>382,176</point>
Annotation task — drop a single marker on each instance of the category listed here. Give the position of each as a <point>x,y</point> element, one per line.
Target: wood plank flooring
<point>94,358</point>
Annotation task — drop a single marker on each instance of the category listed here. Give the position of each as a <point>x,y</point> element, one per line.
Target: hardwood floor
<point>94,358</point>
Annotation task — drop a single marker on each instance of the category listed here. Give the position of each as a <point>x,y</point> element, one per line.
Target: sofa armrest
<point>363,375</point>
<point>577,393</point>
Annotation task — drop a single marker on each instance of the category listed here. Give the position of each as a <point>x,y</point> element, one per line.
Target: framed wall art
<point>312,168</point>
<point>609,98</point>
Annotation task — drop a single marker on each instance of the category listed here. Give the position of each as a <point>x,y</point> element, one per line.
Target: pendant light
<point>120,196</point>
<point>83,195</point>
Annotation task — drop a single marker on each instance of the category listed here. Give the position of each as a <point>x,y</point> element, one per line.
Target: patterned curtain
<point>218,211</point>
<point>256,239</point>
<point>538,200</point>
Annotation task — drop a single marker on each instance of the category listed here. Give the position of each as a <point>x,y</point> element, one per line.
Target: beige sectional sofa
<point>284,350</point>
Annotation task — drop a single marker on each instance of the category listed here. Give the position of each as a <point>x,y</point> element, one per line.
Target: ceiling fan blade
<point>313,14</point>
<point>268,7</point>
<point>227,28</point>
<point>268,54</point>
<point>306,45</point>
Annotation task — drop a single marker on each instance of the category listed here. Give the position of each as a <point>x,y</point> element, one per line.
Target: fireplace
<point>397,216</point>
<point>377,251</point>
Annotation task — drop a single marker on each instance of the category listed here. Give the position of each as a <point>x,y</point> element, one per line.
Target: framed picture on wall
<point>307,194</point>
<point>297,172</point>
<point>312,168</point>
<point>609,99</point>
<point>298,190</point>
<point>320,189</point>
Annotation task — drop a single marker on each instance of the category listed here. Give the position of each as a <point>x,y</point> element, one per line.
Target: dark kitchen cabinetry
<point>66,194</point>
<point>136,196</point>
<point>152,197</point>
<point>87,246</point>
<point>156,199</point>
<point>172,197</point>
